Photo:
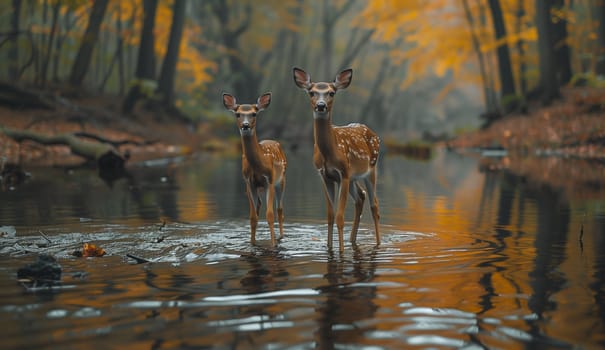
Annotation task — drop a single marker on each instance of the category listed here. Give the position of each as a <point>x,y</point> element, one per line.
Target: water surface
<point>469,259</point>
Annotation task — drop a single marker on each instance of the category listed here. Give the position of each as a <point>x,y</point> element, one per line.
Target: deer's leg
<point>330,197</point>
<point>252,200</point>
<point>279,192</point>
<point>371,188</point>
<point>270,215</point>
<point>359,196</point>
<point>340,211</point>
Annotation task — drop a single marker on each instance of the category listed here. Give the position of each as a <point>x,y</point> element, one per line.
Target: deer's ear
<point>343,79</point>
<point>229,102</point>
<point>263,101</point>
<point>302,79</point>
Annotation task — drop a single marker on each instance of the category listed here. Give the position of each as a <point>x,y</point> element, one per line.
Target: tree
<point>521,47</point>
<point>63,34</point>
<point>146,57</point>
<point>561,48</point>
<point>243,79</point>
<point>55,17</point>
<point>168,71</point>
<point>13,54</point>
<point>548,85</point>
<point>504,65</point>
<point>329,19</point>
<point>83,58</point>
<point>599,13</point>
<point>145,71</point>
<point>488,95</point>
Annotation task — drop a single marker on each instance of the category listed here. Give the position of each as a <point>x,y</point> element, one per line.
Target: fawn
<point>263,164</point>
<point>345,156</point>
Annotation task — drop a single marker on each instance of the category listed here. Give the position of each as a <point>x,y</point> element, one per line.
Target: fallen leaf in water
<point>91,250</point>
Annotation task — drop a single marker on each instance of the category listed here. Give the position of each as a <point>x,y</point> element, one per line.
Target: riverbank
<point>561,146</point>
<point>571,127</point>
<point>142,135</point>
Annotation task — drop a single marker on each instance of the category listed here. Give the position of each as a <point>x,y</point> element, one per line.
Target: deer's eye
<point>332,93</point>
<point>311,93</point>
<point>237,115</point>
<point>254,114</point>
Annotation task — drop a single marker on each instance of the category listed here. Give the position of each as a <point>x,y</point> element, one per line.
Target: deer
<point>263,165</point>
<point>345,156</point>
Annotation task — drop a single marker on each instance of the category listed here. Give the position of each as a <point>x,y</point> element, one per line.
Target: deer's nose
<point>321,106</point>
<point>245,126</point>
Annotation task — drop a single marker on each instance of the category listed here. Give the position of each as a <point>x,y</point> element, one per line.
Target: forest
<point>431,70</point>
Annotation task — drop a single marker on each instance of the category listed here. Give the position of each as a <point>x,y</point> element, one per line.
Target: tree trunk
<point>507,80</point>
<point>327,42</point>
<point>521,48</point>
<point>561,49</point>
<point>146,57</point>
<point>354,49</point>
<point>49,46</point>
<point>330,17</point>
<point>168,72</point>
<point>114,59</point>
<point>489,100</point>
<point>290,45</point>
<point>69,20</point>
<point>599,10</point>
<point>13,54</point>
<point>120,53</point>
<point>84,56</point>
<point>242,78</point>
<point>548,85</point>
<point>41,38</point>
<point>374,105</point>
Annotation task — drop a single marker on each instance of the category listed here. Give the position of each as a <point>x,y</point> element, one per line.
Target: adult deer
<point>345,156</point>
<point>263,164</point>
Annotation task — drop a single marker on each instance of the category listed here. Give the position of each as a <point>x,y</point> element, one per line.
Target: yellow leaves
<point>163,22</point>
<point>193,68</point>
<point>441,68</point>
<point>437,37</point>
<point>528,35</point>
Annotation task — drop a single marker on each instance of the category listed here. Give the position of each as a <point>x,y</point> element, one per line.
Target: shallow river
<point>469,259</point>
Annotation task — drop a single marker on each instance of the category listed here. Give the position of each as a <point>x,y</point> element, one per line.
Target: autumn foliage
<point>418,61</point>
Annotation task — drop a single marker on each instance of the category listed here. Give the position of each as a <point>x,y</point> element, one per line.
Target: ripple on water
<point>289,288</point>
<point>210,241</point>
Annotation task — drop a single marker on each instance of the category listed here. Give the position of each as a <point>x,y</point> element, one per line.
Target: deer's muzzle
<point>321,106</point>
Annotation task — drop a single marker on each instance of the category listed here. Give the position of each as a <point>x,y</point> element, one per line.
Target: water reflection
<point>348,299</point>
<point>471,258</point>
<point>551,238</point>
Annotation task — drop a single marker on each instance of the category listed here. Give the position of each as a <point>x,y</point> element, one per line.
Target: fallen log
<point>109,162</point>
<point>111,142</point>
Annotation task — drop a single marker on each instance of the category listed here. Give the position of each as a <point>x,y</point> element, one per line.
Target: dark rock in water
<point>45,271</point>
<point>11,175</point>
